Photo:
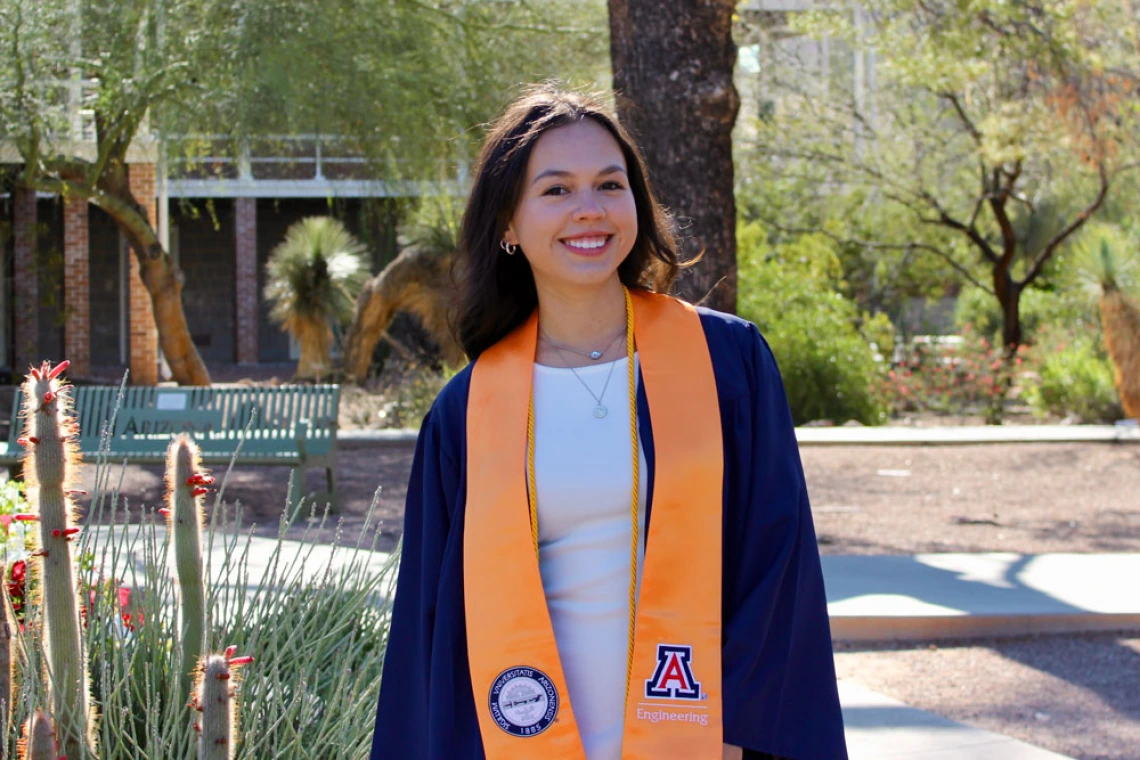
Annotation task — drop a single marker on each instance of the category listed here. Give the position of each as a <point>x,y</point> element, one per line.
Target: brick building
<point>70,285</point>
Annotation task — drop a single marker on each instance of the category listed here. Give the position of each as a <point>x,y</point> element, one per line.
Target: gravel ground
<point>1075,695</point>
<point>1026,498</point>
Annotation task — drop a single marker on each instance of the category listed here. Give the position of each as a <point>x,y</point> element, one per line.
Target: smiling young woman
<point>578,579</point>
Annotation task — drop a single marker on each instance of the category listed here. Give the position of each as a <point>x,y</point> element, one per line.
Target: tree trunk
<point>672,65</point>
<point>1009,297</point>
<point>315,341</point>
<point>161,276</point>
<point>163,280</point>
<point>418,282</point>
<point>1120,319</point>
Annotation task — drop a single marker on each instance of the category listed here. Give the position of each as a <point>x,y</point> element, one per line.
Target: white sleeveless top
<point>584,477</point>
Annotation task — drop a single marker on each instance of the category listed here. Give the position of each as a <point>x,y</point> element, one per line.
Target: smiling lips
<point>587,245</point>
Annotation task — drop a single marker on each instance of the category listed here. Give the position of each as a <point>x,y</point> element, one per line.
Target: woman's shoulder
<point>451,402</point>
<point>740,356</point>
<point>727,328</point>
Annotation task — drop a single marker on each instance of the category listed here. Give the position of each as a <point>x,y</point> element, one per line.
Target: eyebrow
<point>611,169</point>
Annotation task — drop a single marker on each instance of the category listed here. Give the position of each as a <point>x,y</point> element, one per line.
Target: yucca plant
<point>312,279</point>
<point>1108,259</point>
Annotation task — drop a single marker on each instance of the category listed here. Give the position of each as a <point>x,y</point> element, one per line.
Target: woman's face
<point>576,220</point>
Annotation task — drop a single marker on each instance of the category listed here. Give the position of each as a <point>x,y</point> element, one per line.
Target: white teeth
<point>586,243</point>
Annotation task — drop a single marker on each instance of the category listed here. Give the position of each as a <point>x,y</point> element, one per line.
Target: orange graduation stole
<point>673,703</point>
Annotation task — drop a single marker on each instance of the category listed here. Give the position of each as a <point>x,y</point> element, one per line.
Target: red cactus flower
<point>49,397</point>
<point>199,491</point>
<point>243,660</point>
<point>59,368</point>
<point>25,517</point>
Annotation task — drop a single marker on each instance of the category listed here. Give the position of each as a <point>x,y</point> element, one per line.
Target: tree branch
<point>958,109</point>
<point>912,246</point>
<point>1069,229</point>
<point>969,231</point>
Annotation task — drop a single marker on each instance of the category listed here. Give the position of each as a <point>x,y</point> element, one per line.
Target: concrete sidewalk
<point>968,595</point>
<point>881,728</point>
<point>871,597</point>
<point>891,435</point>
<point>887,435</point>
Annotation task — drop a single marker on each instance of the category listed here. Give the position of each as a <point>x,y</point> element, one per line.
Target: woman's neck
<point>574,323</point>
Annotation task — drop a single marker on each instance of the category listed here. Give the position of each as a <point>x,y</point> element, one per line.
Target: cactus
<point>214,698</point>
<point>49,470</point>
<point>6,660</point>
<point>39,738</point>
<point>185,486</point>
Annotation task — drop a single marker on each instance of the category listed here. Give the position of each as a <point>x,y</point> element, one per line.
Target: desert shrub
<point>412,396</point>
<point>787,290</point>
<point>1072,375</point>
<point>964,374</point>
<point>980,312</point>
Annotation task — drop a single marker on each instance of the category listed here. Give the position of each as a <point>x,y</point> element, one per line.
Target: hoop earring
<point>509,248</point>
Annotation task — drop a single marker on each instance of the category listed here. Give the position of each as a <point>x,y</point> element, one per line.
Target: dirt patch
<point>1025,498</point>
<point>1075,695</point>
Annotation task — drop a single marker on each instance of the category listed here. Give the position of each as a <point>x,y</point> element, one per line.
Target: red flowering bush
<point>951,377</point>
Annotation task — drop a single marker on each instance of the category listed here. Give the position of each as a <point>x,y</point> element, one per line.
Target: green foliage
<point>315,627</point>
<point>1073,376</point>
<point>977,310</point>
<point>987,134</point>
<point>401,84</point>
<point>412,396</point>
<point>315,274</point>
<point>1106,256</point>
<point>787,290</point>
<point>879,332</point>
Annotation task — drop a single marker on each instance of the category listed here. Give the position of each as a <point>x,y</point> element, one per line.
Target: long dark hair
<point>496,291</point>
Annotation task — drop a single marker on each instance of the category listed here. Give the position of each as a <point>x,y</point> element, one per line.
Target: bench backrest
<point>278,418</point>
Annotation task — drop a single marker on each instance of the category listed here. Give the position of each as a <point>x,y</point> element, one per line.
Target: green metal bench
<point>289,425</point>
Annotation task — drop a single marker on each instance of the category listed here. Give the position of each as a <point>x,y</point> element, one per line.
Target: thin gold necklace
<point>533,488</point>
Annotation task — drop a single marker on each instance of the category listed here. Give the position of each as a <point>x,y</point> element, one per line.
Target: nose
<point>589,208</point>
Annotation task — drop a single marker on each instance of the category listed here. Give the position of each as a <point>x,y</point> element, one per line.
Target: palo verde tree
<point>998,127</point>
<point>80,80</point>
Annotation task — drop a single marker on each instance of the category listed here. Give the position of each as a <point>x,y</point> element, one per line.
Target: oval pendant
<point>595,355</point>
<point>600,411</point>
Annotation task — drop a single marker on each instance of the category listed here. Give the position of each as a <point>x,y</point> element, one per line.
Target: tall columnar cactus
<point>6,659</point>
<point>185,486</point>
<point>39,738</point>
<point>50,468</point>
<point>215,698</point>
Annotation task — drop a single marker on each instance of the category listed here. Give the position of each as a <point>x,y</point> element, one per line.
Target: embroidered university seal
<point>523,701</point>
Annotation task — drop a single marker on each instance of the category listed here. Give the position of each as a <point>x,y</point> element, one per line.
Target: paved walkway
<point>875,598</point>
<point>881,728</point>
<point>887,435</point>
<point>872,597</point>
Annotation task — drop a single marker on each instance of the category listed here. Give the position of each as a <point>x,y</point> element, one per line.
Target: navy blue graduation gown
<point>780,693</point>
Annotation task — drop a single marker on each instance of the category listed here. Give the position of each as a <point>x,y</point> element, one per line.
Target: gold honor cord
<point>533,489</point>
